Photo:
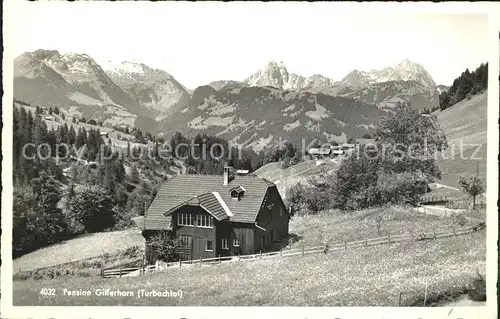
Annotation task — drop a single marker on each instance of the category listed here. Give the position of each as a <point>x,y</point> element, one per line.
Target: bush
<point>165,246</point>
<point>478,290</point>
<point>460,219</point>
<point>308,199</point>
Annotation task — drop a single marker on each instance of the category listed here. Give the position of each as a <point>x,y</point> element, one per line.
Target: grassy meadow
<point>366,276</point>
<point>77,249</point>
<point>337,226</point>
<point>465,123</point>
<point>372,276</point>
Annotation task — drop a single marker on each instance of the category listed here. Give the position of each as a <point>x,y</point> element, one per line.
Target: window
<point>185,241</point>
<point>224,243</point>
<point>185,219</point>
<point>270,217</point>
<point>209,245</point>
<point>236,242</point>
<point>205,221</point>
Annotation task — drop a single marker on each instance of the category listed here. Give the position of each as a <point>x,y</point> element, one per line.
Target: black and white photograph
<point>250,154</point>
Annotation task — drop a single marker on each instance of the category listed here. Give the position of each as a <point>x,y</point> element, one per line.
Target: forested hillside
<point>69,180</point>
<point>466,85</point>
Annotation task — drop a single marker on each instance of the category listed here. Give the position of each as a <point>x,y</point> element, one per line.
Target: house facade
<point>214,215</point>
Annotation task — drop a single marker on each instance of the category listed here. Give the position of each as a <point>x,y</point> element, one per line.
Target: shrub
<point>165,246</point>
<point>460,219</point>
<point>478,290</point>
<point>310,199</point>
<point>295,198</point>
<point>401,188</point>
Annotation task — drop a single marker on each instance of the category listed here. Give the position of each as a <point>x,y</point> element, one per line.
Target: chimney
<point>228,174</point>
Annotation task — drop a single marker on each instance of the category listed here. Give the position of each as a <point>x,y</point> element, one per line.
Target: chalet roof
<point>349,145</point>
<point>207,191</point>
<point>211,202</point>
<point>238,189</point>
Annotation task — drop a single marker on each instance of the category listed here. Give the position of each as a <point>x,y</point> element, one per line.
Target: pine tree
<point>71,135</point>
<point>134,174</point>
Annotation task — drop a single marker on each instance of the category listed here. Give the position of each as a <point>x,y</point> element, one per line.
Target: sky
<point>201,42</point>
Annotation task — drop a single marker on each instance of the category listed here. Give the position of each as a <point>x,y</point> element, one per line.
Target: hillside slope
<point>465,126</point>
<point>259,117</point>
<point>88,246</point>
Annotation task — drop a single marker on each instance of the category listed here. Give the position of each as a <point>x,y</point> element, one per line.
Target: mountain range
<point>270,104</point>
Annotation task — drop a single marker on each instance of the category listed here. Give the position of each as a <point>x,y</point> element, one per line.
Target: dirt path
<point>438,210</point>
<point>463,301</point>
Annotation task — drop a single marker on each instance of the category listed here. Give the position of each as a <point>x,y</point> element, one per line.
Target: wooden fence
<point>122,271</point>
<point>452,203</point>
<point>302,251</point>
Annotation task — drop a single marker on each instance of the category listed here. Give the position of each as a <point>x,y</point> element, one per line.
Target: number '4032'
<point>48,292</point>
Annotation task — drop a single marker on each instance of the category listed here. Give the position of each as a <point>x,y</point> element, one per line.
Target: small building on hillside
<point>365,141</point>
<point>104,134</point>
<point>348,146</point>
<point>317,153</point>
<point>242,172</point>
<point>217,215</point>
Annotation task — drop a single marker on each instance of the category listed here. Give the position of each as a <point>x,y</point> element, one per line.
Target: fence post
<point>180,263</point>
<point>302,248</point>
<point>281,251</point>
<point>219,258</point>
<point>200,260</point>
<point>102,272</point>
<point>434,235</point>
<point>389,239</point>
<point>120,272</point>
<point>425,294</point>
<point>261,253</point>
<point>345,245</point>
<point>239,258</point>
<point>454,233</point>
<point>399,300</point>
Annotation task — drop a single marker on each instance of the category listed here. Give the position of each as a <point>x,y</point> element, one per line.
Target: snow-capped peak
<point>276,74</point>
<point>406,70</point>
<point>124,66</point>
